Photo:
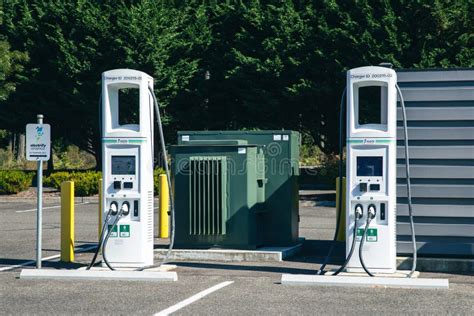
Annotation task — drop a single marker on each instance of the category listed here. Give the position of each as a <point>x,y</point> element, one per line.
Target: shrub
<point>55,179</point>
<point>14,181</point>
<point>86,183</point>
<point>311,155</point>
<point>71,157</point>
<point>329,170</point>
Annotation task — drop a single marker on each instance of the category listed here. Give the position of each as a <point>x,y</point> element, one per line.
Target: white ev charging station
<point>371,173</point>
<point>126,238</point>
<point>370,188</point>
<point>127,171</point>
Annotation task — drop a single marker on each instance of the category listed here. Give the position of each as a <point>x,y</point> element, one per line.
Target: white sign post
<point>38,148</point>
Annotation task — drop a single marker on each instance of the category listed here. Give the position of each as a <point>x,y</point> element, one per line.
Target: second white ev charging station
<point>371,173</point>
<point>370,187</point>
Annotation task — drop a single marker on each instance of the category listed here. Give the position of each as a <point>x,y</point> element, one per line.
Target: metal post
<point>39,205</point>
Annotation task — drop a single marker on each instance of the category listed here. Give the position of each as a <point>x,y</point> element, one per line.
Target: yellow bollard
<point>67,221</point>
<point>164,206</point>
<point>100,208</point>
<point>341,235</point>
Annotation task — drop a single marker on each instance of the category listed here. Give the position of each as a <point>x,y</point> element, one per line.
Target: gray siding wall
<point>440,113</point>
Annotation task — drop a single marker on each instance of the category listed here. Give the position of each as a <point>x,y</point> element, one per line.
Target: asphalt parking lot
<point>252,288</point>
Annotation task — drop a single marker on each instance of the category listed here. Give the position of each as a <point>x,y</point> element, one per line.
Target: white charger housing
<point>127,167</point>
<point>371,166</point>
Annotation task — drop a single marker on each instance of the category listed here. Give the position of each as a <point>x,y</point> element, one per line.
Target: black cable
<point>109,232</point>
<point>99,245</point>
<point>351,252</point>
<point>362,245</point>
<point>168,176</point>
<point>407,171</point>
<point>340,166</point>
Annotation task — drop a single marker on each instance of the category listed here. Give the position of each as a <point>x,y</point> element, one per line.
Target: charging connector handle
<point>125,208</point>
<point>371,211</point>
<point>359,211</point>
<point>113,208</point>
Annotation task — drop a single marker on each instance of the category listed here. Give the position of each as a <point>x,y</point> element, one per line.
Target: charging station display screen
<point>123,165</point>
<point>369,166</point>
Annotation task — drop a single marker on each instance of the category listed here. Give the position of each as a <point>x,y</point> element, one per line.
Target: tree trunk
<point>21,147</point>
<point>14,146</point>
<point>10,143</point>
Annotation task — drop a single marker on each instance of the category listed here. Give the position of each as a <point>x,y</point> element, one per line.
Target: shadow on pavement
<point>223,266</point>
<point>5,262</point>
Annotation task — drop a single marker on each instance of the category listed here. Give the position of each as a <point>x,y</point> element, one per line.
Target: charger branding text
<point>123,78</point>
<point>371,76</point>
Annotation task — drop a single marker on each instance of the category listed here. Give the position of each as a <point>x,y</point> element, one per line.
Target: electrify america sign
<point>38,142</point>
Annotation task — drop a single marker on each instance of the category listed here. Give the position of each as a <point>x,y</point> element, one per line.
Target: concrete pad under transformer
<point>355,281</point>
<point>53,274</point>
<point>264,254</point>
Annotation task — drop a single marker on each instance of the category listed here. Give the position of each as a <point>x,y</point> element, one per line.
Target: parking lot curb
<point>54,274</point>
<point>357,281</point>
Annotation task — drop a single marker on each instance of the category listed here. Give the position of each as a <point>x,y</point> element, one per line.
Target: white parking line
<point>43,259</point>
<point>48,207</point>
<point>193,299</point>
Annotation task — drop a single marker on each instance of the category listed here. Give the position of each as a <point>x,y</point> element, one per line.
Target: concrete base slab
<point>52,274</point>
<point>264,254</point>
<point>162,268</point>
<point>397,274</point>
<point>357,281</point>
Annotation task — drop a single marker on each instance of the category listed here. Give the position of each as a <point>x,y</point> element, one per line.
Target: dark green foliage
<point>11,67</point>
<point>271,64</point>
<point>86,183</point>
<point>14,181</point>
<point>55,179</point>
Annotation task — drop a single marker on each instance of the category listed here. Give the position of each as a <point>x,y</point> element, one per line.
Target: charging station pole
<point>38,148</point>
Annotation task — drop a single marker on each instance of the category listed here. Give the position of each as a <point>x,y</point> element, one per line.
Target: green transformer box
<point>236,189</point>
